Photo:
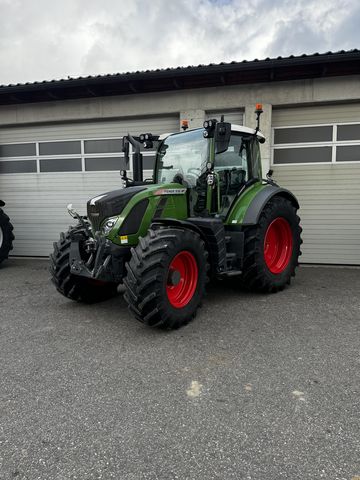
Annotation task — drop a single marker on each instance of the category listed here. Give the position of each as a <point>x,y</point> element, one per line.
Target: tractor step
<point>230,273</point>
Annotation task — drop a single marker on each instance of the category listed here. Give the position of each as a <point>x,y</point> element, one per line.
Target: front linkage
<point>105,261</point>
<point>92,255</point>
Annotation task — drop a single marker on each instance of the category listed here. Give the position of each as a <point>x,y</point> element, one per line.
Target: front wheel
<point>166,277</point>
<point>72,286</point>
<point>272,247</point>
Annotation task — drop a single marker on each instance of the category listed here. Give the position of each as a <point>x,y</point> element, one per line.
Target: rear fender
<point>248,207</point>
<point>258,203</point>
<point>2,204</point>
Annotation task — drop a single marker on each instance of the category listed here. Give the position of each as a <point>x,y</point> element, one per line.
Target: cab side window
<point>235,156</point>
<point>232,170</point>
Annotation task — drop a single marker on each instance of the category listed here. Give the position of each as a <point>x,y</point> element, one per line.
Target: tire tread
<point>145,274</point>
<point>256,275</point>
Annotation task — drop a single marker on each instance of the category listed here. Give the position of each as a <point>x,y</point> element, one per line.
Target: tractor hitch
<point>103,261</point>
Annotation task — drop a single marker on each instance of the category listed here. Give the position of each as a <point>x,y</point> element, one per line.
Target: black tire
<point>73,286</point>
<point>256,273</point>
<point>147,281</point>
<point>6,236</point>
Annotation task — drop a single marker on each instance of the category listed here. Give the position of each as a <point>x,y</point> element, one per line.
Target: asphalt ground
<point>257,387</point>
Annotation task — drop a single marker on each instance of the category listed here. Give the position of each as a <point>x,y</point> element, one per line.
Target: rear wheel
<point>272,247</point>
<point>6,235</point>
<point>166,277</point>
<point>71,286</point>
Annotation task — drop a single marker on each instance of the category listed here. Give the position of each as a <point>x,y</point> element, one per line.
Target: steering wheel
<point>191,176</point>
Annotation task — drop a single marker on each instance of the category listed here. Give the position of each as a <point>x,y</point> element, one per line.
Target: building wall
<point>191,104</point>
<point>281,93</point>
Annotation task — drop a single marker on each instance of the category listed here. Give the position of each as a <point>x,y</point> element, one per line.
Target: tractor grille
<point>109,204</point>
<point>94,216</point>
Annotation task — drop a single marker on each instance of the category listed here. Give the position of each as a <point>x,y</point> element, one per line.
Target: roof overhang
<point>181,78</point>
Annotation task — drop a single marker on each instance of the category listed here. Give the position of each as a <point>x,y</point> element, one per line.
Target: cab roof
<point>242,129</point>
<point>234,128</point>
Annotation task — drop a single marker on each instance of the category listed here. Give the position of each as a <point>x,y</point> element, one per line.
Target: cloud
<point>310,27</point>
<point>45,40</point>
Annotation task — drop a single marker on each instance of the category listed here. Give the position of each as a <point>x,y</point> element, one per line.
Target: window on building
<point>313,144</point>
<point>18,150</point>
<point>60,165</point>
<point>18,166</point>
<point>103,164</point>
<point>303,135</point>
<point>60,148</point>
<point>111,145</point>
<point>302,155</point>
<point>104,154</point>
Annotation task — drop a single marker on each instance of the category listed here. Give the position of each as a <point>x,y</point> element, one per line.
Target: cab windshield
<point>182,157</point>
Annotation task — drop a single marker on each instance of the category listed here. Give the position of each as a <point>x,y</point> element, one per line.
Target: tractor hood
<point>109,204</point>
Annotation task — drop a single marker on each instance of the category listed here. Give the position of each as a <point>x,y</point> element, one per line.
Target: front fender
<point>159,201</point>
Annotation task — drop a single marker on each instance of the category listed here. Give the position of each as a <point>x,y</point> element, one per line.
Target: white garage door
<point>316,154</point>
<point>44,168</point>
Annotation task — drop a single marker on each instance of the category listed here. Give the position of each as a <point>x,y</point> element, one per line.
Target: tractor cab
<point>214,164</point>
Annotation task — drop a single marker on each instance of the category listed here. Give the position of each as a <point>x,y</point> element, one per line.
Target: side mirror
<point>125,149</point>
<point>222,136</point>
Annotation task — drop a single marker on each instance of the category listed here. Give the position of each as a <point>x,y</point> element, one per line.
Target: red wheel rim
<point>182,279</point>
<point>278,245</point>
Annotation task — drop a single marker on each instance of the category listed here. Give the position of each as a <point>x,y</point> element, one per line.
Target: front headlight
<point>108,225</point>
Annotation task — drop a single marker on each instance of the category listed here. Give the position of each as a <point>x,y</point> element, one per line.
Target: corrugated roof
<point>344,62</point>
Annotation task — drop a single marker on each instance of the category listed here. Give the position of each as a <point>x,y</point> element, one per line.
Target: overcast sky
<point>47,39</point>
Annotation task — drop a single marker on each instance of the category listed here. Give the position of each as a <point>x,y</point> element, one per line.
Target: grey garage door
<point>44,168</point>
<point>316,154</point>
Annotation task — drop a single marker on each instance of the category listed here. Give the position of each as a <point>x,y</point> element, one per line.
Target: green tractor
<point>205,213</point>
<point>6,234</point>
